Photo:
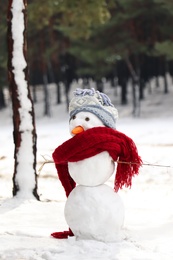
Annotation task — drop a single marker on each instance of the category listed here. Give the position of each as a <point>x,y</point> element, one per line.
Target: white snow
<point>26,224</point>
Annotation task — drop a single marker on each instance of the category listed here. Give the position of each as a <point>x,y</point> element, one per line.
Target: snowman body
<point>95,213</point>
<point>92,171</point>
<point>93,210</point>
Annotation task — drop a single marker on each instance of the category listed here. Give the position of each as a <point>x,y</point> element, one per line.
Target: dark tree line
<point>125,40</point>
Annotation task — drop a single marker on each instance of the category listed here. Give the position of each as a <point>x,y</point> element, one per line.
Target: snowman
<point>93,209</point>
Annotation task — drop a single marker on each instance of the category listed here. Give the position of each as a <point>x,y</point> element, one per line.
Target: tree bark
<point>24,135</point>
<point>2,99</point>
<point>135,88</point>
<point>46,96</point>
<point>123,85</point>
<point>165,77</point>
<point>58,93</point>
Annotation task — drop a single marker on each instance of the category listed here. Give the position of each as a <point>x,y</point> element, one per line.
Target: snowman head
<point>90,108</point>
<point>82,121</point>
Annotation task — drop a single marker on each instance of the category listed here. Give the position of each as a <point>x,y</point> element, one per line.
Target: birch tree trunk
<point>24,133</point>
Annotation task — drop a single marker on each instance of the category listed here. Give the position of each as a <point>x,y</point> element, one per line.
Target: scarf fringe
<point>130,167</point>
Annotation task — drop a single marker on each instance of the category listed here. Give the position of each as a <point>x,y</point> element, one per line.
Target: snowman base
<point>95,213</point>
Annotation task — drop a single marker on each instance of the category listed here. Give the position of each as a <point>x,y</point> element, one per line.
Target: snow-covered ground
<point>26,225</point>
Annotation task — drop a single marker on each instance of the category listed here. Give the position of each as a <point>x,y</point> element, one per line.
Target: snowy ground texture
<point>26,225</point>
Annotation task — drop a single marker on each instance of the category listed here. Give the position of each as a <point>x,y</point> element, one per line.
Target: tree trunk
<point>24,134</point>
<point>99,85</point>
<point>123,85</point>
<point>58,93</point>
<point>141,89</point>
<point>135,98</point>
<point>46,96</point>
<point>67,89</point>
<point>135,88</point>
<point>165,84</point>
<point>165,77</point>
<point>157,82</point>
<point>2,99</point>
<point>34,93</point>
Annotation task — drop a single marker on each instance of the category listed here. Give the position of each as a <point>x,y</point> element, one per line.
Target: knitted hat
<point>95,102</point>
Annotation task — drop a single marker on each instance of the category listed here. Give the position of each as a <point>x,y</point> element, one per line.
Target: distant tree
<point>129,36</point>
<point>24,134</point>
<point>52,24</point>
<point>3,54</point>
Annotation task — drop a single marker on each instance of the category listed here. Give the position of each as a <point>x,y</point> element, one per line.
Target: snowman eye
<point>87,119</point>
<point>73,117</point>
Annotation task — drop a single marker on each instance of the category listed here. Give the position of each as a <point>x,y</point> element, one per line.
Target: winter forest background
<point>115,40</point>
<point>123,48</point>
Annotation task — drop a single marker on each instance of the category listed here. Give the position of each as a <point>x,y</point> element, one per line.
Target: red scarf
<point>91,142</point>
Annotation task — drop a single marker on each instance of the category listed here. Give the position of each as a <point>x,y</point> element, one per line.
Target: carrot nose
<point>77,130</point>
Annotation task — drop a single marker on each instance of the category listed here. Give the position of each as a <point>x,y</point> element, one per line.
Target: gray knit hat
<point>89,100</point>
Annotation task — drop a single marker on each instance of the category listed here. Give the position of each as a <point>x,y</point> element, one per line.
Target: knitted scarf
<point>91,142</point>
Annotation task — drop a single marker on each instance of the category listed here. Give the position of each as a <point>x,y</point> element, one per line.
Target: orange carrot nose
<point>77,130</point>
